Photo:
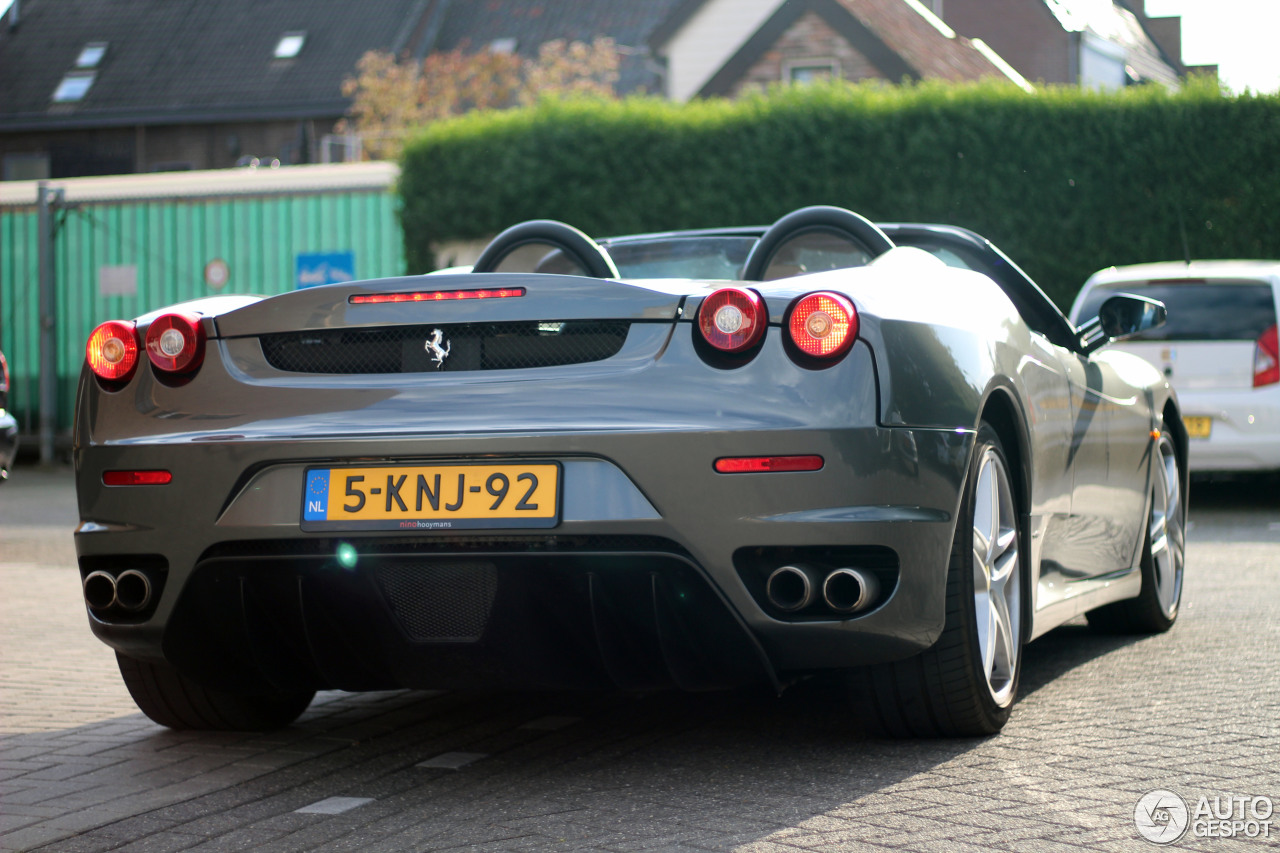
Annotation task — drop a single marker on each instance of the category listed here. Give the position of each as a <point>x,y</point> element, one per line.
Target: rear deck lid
<point>453,322</point>
<point>461,298</point>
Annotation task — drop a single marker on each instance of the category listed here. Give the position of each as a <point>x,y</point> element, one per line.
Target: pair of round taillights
<point>822,325</point>
<point>173,342</point>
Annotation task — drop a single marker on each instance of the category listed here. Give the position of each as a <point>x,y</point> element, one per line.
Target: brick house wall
<point>1024,32</point>
<point>809,40</point>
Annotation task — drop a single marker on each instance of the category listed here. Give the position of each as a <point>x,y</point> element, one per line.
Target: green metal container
<point>127,245</point>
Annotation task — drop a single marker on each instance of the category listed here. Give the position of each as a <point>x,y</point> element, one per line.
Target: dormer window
<point>290,45</point>
<point>503,45</point>
<point>91,55</point>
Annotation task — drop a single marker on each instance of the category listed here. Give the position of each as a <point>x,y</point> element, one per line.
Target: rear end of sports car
<point>506,480</point>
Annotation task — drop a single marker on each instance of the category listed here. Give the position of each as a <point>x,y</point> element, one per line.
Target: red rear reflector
<point>823,325</point>
<point>1266,359</point>
<point>175,343</point>
<point>764,464</point>
<point>112,351</point>
<point>435,296</point>
<point>136,478</point>
<point>732,319</point>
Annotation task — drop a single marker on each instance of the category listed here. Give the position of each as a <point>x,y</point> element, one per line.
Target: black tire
<point>1155,609</point>
<point>953,689</point>
<point>171,699</point>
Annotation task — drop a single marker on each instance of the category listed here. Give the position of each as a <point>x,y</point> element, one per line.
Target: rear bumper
<point>1245,433</point>
<point>654,573</point>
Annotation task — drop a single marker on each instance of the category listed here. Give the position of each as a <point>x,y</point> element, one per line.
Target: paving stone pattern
<point>1102,721</point>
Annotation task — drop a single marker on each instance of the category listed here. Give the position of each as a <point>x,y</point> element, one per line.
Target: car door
<point>1103,431</point>
<point>1110,444</point>
<point>1052,408</point>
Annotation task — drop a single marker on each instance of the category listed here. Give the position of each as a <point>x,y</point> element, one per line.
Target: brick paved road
<point>1102,721</point>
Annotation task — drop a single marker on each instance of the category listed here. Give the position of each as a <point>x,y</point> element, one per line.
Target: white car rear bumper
<point>1244,433</point>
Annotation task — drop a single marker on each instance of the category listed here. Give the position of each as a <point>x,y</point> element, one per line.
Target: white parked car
<point>1218,348</point>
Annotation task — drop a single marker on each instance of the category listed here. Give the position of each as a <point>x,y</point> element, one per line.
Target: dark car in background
<point>691,460</point>
<point>8,426</point>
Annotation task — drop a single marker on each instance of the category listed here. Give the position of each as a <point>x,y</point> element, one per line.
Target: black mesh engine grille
<point>440,600</point>
<point>471,346</point>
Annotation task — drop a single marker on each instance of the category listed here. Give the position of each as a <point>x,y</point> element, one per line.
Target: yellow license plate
<point>432,497</point>
<point>1198,427</point>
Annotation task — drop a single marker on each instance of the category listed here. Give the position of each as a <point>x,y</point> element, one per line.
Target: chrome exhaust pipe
<point>133,590</point>
<point>850,590</point>
<point>99,590</point>
<point>791,588</point>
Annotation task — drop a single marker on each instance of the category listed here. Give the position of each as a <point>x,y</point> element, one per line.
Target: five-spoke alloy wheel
<point>997,583</point>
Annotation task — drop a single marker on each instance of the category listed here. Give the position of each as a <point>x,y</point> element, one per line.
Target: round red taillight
<point>732,319</point>
<point>112,351</point>
<point>175,343</point>
<point>823,325</point>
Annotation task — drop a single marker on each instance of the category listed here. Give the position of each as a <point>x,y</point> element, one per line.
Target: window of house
<point>809,70</point>
<point>26,167</point>
<point>74,86</point>
<point>290,45</point>
<point>503,45</point>
<point>1102,63</point>
<point>91,54</point>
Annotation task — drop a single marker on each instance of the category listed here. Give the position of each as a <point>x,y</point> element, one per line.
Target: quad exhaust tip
<point>133,590</point>
<point>792,588</point>
<point>850,590</point>
<point>129,591</point>
<point>100,590</point>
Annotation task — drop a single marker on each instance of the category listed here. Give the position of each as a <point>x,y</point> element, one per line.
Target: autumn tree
<point>392,96</point>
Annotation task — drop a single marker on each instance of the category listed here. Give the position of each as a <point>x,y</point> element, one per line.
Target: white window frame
<point>791,66</point>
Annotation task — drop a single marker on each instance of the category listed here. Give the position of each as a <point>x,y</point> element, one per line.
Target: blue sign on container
<point>316,268</point>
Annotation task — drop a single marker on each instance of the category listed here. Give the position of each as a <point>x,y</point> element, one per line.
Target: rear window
<point>1198,311</point>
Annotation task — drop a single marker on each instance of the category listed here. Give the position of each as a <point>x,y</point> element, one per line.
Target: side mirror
<point>1119,317</point>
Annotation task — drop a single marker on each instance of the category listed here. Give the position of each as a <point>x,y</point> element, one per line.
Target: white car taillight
<point>1266,359</point>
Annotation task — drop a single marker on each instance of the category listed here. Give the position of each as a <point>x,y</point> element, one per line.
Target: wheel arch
<point>1172,417</point>
<point>1006,418</point>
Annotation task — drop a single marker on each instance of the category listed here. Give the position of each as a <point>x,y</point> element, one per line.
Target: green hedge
<point>1065,181</point>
